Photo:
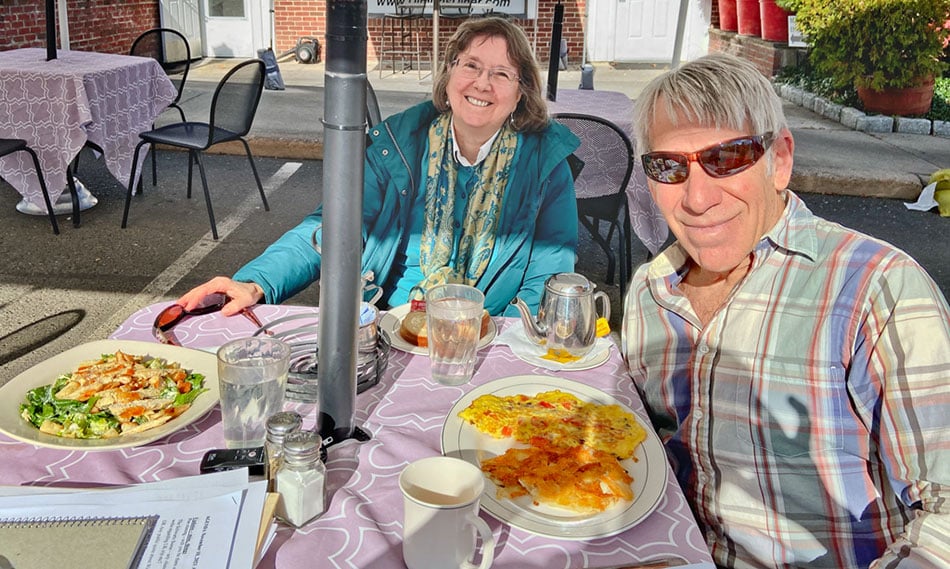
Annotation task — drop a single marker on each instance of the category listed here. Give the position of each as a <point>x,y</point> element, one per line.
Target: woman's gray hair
<point>531,114</point>
<point>716,91</point>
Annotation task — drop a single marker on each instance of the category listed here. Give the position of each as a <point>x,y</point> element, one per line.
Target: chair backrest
<point>235,101</point>
<point>170,48</point>
<point>373,116</point>
<point>606,152</point>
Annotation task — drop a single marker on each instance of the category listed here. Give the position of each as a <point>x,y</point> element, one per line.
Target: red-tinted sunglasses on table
<point>172,315</point>
<point>719,160</point>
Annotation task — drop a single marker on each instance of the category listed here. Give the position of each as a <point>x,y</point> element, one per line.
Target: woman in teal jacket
<point>473,187</point>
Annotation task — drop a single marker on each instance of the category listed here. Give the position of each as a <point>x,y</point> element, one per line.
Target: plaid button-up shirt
<point>807,422</point>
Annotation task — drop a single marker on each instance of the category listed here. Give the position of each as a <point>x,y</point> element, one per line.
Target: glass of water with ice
<point>252,376</point>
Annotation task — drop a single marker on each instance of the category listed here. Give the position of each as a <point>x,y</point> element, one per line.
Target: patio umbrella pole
<point>555,50</point>
<point>50,30</point>
<point>344,127</point>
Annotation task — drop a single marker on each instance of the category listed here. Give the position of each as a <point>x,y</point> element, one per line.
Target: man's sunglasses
<point>172,315</point>
<point>719,160</point>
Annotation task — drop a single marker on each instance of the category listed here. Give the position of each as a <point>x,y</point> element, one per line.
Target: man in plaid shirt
<point>798,372</point>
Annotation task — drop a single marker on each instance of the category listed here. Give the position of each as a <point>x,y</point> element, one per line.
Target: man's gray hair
<point>718,91</point>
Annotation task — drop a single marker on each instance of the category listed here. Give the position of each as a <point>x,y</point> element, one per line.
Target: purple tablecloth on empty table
<point>57,105</point>
<point>645,219</point>
<point>404,414</point>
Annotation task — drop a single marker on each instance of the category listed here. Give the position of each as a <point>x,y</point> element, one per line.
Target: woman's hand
<point>241,294</point>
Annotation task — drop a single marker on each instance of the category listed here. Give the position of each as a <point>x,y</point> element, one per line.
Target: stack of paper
<point>212,521</point>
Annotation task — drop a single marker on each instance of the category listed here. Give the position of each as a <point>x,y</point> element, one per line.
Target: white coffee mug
<point>441,496</point>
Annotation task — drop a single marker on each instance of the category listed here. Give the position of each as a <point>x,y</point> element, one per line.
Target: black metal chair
<point>233,107</point>
<point>603,147</point>
<point>12,145</point>
<point>455,9</point>
<point>373,116</point>
<point>171,49</point>
<point>401,38</point>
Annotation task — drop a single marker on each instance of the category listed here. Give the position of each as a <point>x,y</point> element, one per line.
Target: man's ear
<point>783,151</point>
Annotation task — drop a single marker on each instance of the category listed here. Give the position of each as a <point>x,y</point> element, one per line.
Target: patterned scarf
<point>481,215</point>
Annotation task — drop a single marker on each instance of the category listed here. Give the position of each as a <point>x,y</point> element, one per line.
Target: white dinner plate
<point>648,466</point>
<point>14,393</point>
<point>391,321</point>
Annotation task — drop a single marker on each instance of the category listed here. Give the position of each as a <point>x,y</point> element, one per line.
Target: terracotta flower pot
<point>905,101</point>
<point>747,12</point>
<point>774,21</point>
<point>727,16</point>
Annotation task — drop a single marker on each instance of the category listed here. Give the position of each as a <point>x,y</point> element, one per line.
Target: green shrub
<point>875,43</point>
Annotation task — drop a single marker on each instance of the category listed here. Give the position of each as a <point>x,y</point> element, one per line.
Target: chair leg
<point>604,245</point>
<point>260,187</point>
<point>191,161</point>
<point>49,205</point>
<point>151,150</point>
<point>128,193</point>
<point>73,193</point>
<point>204,185</point>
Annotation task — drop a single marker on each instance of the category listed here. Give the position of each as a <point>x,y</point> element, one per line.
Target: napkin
<point>515,338</point>
<point>926,201</point>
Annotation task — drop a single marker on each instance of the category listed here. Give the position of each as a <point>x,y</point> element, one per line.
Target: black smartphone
<point>219,459</point>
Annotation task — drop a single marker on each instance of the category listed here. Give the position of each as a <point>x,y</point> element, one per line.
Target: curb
<point>859,120</point>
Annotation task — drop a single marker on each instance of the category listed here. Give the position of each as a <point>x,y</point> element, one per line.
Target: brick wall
<point>296,18</point>
<point>107,26</point>
<point>768,57</point>
<point>110,26</point>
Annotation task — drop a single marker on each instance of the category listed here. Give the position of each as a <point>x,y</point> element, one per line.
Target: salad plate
<point>648,467</point>
<point>13,393</point>
<point>392,320</point>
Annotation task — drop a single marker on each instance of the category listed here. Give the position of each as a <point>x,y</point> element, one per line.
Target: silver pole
<point>680,30</point>
<point>344,128</point>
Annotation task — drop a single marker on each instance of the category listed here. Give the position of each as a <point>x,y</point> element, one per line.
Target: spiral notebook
<point>77,543</point>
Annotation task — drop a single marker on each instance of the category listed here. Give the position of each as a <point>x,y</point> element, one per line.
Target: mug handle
<point>488,543</point>
<point>606,304</point>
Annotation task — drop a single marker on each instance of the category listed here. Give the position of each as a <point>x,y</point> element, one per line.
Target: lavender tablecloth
<point>404,413</point>
<point>57,105</point>
<point>645,219</point>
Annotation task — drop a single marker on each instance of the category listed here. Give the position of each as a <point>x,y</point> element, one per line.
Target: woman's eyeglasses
<point>497,76</point>
<point>719,160</point>
<point>172,315</point>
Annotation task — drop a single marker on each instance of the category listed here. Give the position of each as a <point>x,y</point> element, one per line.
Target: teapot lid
<point>569,284</point>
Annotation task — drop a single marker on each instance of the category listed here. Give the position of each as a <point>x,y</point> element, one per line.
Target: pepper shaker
<point>279,425</point>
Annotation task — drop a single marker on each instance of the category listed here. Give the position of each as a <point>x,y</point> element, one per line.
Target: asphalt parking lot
<point>60,291</point>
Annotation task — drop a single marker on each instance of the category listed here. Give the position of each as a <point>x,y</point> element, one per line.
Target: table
<point>59,105</point>
<point>404,415</point>
<point>645,218</point>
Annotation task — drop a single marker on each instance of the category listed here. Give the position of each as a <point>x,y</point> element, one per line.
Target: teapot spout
<point>532,329</point>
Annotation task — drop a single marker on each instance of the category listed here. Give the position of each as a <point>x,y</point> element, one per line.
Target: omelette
<point>561,418</point>
<point>573,453</point>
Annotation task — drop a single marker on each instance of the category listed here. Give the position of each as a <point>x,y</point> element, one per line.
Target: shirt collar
<point>482,150</point>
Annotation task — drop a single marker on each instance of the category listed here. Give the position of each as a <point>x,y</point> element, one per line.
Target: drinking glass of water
<point>252,375</point>
<point>454,321</point>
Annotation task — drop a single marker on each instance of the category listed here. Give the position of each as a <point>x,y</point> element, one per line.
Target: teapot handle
<point>601,295</point>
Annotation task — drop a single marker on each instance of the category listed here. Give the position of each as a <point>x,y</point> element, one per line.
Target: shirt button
<point>702,478</point>
<point>698,414</point>
<point>457,225</point>
<point>404,192</point>
<point>703,349</point>
<point>464,195</point>
<point>385,152</point>
<point>375,132</point>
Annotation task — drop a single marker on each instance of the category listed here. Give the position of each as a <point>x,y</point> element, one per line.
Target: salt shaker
<point>301,479</point>
<point>279,425</point>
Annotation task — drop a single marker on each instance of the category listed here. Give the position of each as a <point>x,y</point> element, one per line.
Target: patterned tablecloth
<point>404,414</point>
<point>57,105</point>
<point>645,219</point>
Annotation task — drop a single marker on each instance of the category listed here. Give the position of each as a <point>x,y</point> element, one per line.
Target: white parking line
<point>161,284</point>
